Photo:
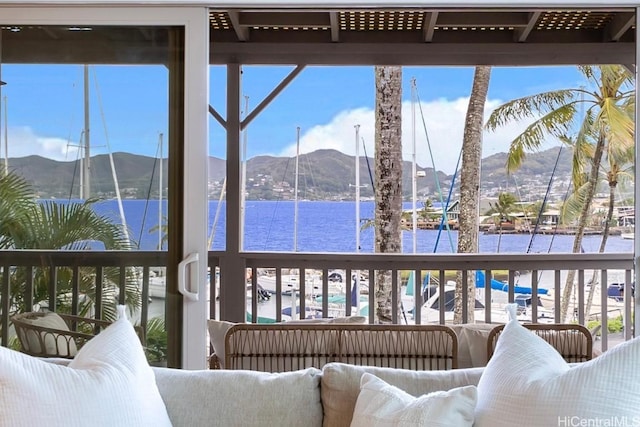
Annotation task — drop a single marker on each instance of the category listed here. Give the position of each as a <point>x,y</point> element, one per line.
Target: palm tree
<point>470,185</point>
<point>388,179</point>
<point>605,126</point>
<point>620,169</point>
<point>28,224</point>
<point>503,208</point>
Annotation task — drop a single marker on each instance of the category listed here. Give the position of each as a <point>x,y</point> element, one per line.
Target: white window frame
<point>196,97</point>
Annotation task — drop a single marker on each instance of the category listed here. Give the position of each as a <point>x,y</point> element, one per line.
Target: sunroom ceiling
<point>423,36</point>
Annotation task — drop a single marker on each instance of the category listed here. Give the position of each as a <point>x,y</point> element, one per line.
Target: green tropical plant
<point>596,120</point>
<point>16,197</point>
<point>503,208</point>
<point>156,341</point>
<point>27,223</point>
<point>164,229</point>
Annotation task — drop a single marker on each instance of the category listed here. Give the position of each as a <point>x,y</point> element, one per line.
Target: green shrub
<point>614,325</point>
<point>156,341</point>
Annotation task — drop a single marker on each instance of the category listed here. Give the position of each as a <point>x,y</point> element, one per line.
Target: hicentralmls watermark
<point>577,421</point>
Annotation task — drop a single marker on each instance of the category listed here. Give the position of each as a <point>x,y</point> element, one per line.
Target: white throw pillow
<point>382,405</point>
<point>528,383</point>
<point>217,331</point>
<point>109,383</point>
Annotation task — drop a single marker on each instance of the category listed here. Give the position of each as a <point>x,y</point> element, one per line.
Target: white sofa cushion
<point>108,383</point>
<point>340,386</point>
<point>527,382</point>
<point>472,343</point>
<point>241,398</point>
<point>382,405</point>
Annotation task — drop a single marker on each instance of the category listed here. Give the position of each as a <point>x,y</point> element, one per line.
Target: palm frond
<point>573,205</point>
<point>16,199</point>
<point>529,107</point>
<point>556,123</point>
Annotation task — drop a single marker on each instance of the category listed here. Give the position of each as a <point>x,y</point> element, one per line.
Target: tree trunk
<point>388,180</point>
<point>582,223</point>
<point>470,186</point>
<point>613,183</point>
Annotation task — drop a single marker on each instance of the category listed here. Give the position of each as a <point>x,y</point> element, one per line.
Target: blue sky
<point>128,108</point>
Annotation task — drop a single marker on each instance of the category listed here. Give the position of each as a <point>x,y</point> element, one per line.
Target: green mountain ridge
<point>322,175</point>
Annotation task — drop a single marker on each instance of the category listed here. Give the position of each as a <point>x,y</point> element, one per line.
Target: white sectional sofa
<point>525,383</point>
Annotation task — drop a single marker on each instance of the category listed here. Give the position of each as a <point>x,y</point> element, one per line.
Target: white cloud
<point>444,121</point>
<point>22,142</point>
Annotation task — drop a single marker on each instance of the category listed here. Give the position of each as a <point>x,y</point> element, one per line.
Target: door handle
<point>192,258</point>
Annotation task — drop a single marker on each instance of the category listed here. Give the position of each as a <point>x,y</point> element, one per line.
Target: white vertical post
<point>195,208</point>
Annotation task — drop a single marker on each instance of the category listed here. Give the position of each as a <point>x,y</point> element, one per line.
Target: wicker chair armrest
<point>51,341</point>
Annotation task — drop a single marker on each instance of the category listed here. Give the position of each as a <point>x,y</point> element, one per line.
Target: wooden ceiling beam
<point>420,53</point>
<point>620,24</point>
<point>335,26</point>
<point>429,25</point>
<point>520,34</point>
<point>241,32</point>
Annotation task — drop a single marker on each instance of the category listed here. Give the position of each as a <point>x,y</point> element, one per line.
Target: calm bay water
<point>331,227</point>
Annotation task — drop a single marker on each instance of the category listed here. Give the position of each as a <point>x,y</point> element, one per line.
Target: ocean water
<point>331,227</point>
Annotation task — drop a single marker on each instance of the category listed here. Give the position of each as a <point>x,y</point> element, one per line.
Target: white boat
<point>627,236</point>
<point>291,281</point>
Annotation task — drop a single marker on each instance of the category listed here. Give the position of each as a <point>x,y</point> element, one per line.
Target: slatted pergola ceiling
<point>424,36</point>
<point>465,37</point>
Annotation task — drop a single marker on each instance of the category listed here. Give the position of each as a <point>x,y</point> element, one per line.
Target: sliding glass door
<point>94,116</point>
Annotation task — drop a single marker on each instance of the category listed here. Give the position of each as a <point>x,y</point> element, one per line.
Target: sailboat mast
<point>357,127</point>
<point>6,139</point>
<point>414,172</point>
<point>160,194</point>
<point>86,187</point>
<point>295,205</point>
<point>6,145</point>
<point>356,282</point>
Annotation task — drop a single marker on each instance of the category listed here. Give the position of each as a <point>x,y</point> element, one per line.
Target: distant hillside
<point>326,173</point>
<point>537,164</point>
<point>62,179</point>
<point>323,174</point>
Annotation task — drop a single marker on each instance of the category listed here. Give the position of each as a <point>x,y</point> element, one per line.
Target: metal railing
<point>288,277</point>
<point>87,283</point>
<point>51,278</point>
